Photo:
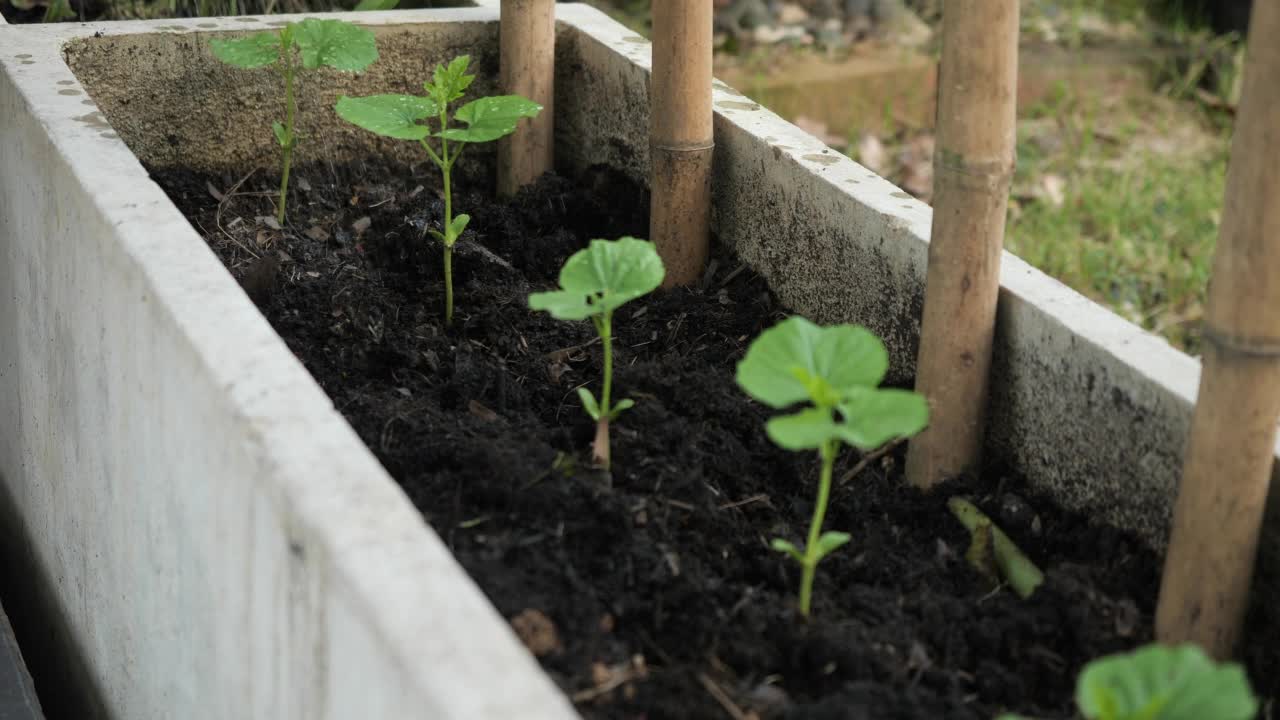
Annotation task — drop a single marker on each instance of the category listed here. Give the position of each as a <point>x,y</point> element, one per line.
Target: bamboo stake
<point>681,139</point>
<point>973,166</point>
<point>527,67</point>
<point>1205,588</point>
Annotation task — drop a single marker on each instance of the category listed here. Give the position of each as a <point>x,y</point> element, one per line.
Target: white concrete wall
<point>219,542</point>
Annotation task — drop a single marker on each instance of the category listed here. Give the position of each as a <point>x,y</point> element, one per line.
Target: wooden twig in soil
<point>973,167</point>
<point>680,137</point>
<point>870,458</point>
<point>527,67</point>
<point>722,697</point>
<point>1227,469</point>
<point>222,204</point>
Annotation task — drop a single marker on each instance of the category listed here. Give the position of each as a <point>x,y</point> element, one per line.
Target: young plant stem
<point>830,449</point>
<point>290,110</point>
<point>600,447</point>
<point>448,224</point>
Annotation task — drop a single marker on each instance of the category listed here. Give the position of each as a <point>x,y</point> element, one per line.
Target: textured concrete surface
<point>214,540</point>
<point>18,699</point>
<point>183,484</point>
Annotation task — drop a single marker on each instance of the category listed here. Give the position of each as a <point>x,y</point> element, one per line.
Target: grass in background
<point>1120,198</point>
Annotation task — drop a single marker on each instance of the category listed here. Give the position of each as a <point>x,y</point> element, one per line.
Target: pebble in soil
<point>653,593</point>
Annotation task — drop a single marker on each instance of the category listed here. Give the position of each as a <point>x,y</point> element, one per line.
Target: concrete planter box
<point>204,535</point>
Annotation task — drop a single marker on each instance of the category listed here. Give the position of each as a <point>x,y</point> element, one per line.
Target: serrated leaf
<point>621,406</point>
<point>449,82</point>
<point>1164,683</point>
<point>873,417</point>
<point>459,225</point>
<point>842,356</point>
<point>335,43</point>
<point>599,279</point>
<point>830,541</point>
<point>282,135</point>
<point>255,51</point>
<point>589,403</point>
<point>783,546</point>
<point>804,430</point>
<point>393,116</point>
<point>490,118</point>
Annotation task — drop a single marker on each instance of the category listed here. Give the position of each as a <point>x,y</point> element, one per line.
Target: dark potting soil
<point>652,593</point>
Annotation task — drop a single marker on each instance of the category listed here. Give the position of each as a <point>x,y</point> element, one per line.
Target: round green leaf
<point>394,116</point>
<point>873,417</point>
<point>805,430</point>
<point>490,118</point>
<point>338,44</point>
<point>782,365</point>
<point>601,278</point>
<point>562,304</point>
<point>255,51</point>
<point>1164,683</point>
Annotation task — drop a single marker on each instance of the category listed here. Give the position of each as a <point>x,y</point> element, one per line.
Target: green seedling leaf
<point>589,403</point>
<point>624,404</point>
<point>337,44</point>
<point>873,417</point>
<point>805,430</point>
<point>282,134</point>
<point>490,118</point>
<point>1022,574</point>
<point>787,548</point>
<point>1164,683</point>
<point>450,82</point>
<point>394,116</point>
<point>366,5</point>
<point>782,364</point>
<point>830,541</point>
<point>459,225</point>
<point>255,51</point>
<point>601,278</point>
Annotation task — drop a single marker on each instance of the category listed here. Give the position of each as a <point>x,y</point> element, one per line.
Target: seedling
<point>593,283</point>
<point>992,553</point>
<point>337,44</point>
<point>836,371</point>
<point>398,116</point>
<point>1163,683</point>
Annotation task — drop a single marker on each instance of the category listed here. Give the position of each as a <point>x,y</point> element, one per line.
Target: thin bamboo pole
<point>527,67</point>
<point>1205,588</point>
<point>681,140</point>
<point>973,166</point>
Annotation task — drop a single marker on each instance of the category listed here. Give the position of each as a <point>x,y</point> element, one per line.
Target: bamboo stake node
<point>527,35</point>
<point>1204,591</point>
<point>973,169</point>
<point>1231,343</point>
<point>681,137</point>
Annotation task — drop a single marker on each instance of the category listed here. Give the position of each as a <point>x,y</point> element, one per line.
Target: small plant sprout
<point>593,283</point>
<point>1163,683</point>
<point>836,371</point>
<point>399,116</point>
<point>337,44</point>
